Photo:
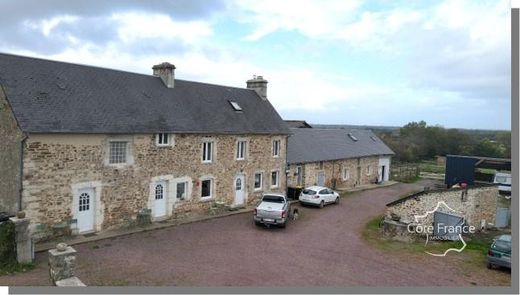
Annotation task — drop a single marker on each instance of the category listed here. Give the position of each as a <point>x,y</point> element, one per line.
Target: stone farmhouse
<point>338,158</point>
<point>89,148</point>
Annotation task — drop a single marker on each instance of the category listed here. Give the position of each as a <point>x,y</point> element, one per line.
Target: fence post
<point>62,263</point>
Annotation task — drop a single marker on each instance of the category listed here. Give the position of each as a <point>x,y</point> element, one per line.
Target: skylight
<point>235,105</point>
<point>352,137</point>
<point>373,138</point>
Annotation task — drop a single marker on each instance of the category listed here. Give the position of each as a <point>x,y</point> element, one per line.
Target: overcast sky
<point>377,62</point>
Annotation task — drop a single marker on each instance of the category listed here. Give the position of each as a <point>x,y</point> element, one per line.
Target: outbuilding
<point>338,158</point>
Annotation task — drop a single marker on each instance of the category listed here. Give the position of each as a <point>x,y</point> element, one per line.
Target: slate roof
<point>56,97</point>
<point>307,145</point>
<point>297,124</point>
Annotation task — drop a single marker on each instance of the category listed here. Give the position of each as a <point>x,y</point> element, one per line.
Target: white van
<point>503,179</point>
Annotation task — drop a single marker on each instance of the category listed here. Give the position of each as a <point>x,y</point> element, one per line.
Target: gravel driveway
<point>323,247</point>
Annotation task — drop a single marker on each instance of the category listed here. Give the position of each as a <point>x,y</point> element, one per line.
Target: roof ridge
<point>112,69</point>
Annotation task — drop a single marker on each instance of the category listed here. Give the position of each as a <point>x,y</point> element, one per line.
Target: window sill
<point>119,166</point>
<point>207,162</point>
<point>257,190</point>
<point>206,199</point>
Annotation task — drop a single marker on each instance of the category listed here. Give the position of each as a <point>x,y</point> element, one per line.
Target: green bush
<point>7,244</point>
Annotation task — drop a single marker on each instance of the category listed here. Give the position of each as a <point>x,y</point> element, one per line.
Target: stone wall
<point>10,157</point>
<point>357,175</point>
<point>57,166</point>
<point>479,204</point>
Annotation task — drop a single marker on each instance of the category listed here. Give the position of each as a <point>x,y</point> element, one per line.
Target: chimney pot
<point>166,71</point>
<point>259,84</point>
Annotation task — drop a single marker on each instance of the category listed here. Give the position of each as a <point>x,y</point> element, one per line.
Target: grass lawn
<point>432,167</point>
<point>472,261</point>
<point>11,269</point>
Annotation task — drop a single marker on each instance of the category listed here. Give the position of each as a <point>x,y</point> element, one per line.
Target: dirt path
<point>323,247</point>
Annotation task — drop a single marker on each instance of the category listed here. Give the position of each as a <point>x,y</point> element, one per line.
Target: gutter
<point>20,191</point>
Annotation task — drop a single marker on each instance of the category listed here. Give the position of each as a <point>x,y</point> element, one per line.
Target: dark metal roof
<point>486,162</point>
<point>56,97</point>
<point>311,145</point>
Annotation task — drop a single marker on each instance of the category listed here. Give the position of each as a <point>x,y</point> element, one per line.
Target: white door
<point>86,205</point>
<point>239,190</point>
<point>321,178</point>
<point>159,205</point>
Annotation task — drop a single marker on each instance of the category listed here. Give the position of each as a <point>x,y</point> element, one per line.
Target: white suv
<point>318,196</point>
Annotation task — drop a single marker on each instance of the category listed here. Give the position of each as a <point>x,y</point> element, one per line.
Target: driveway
<point>324,247</point>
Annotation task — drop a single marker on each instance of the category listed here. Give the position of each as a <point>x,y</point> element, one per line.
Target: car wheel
<point>336,201</point>
<point>489,265</point>
<point>283,224</point>
<point>322,203</point>
<point>257,223</point>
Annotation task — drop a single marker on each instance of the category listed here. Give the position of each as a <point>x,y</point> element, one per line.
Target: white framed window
<point>159,192</point>
<point>346,173</point>
<point>258,181</point>
<point>320,165</point>
<point>164,139</point>
<point>369,170</point>
<point>206,188</point>
<point>275,175</point>
<point>207,152</point>
<point>241,149</point>
<point>276,148</point>
<point>118,152</point>
<point>182,190</point>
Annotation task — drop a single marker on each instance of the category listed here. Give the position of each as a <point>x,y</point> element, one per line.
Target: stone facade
<point>10,157</point>
<point>478,204</point>
<point>58,167</point>
<point>360,171</point>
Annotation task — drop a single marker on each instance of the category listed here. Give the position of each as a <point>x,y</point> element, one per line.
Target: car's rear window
<point>273,199</point>
<point>308,192</point>
<point>502,246</point>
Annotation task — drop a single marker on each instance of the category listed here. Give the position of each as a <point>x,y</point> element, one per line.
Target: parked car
<point>274,209</point>
<point>499,254</point>
<point>318,196</point>
<point>503,179</point>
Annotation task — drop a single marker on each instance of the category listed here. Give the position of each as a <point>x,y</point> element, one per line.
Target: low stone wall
<point>474,204</point>
<point>398,231</point>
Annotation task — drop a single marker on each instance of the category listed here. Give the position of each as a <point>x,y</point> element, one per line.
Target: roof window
<point>373,138</point>
<point>352,137</point>
<point>235,106</point>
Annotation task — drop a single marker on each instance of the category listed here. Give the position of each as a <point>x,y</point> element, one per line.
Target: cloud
<point>310,18</point>
<point>448,54</point>
<point>60,25</point>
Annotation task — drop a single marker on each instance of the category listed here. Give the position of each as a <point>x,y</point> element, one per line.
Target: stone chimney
<point>166,71</point>
<point>259,84</point>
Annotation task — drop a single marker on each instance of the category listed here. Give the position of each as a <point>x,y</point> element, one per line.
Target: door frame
<point>166,193</point>
<point>321,172</point>
<point>98,207</point>
<point>168,179</point>
<point>244,190</point>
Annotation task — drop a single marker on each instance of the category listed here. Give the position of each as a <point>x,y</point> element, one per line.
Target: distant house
<point>297,124</point>
<point>337,158</point>
<point>90,148</point>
